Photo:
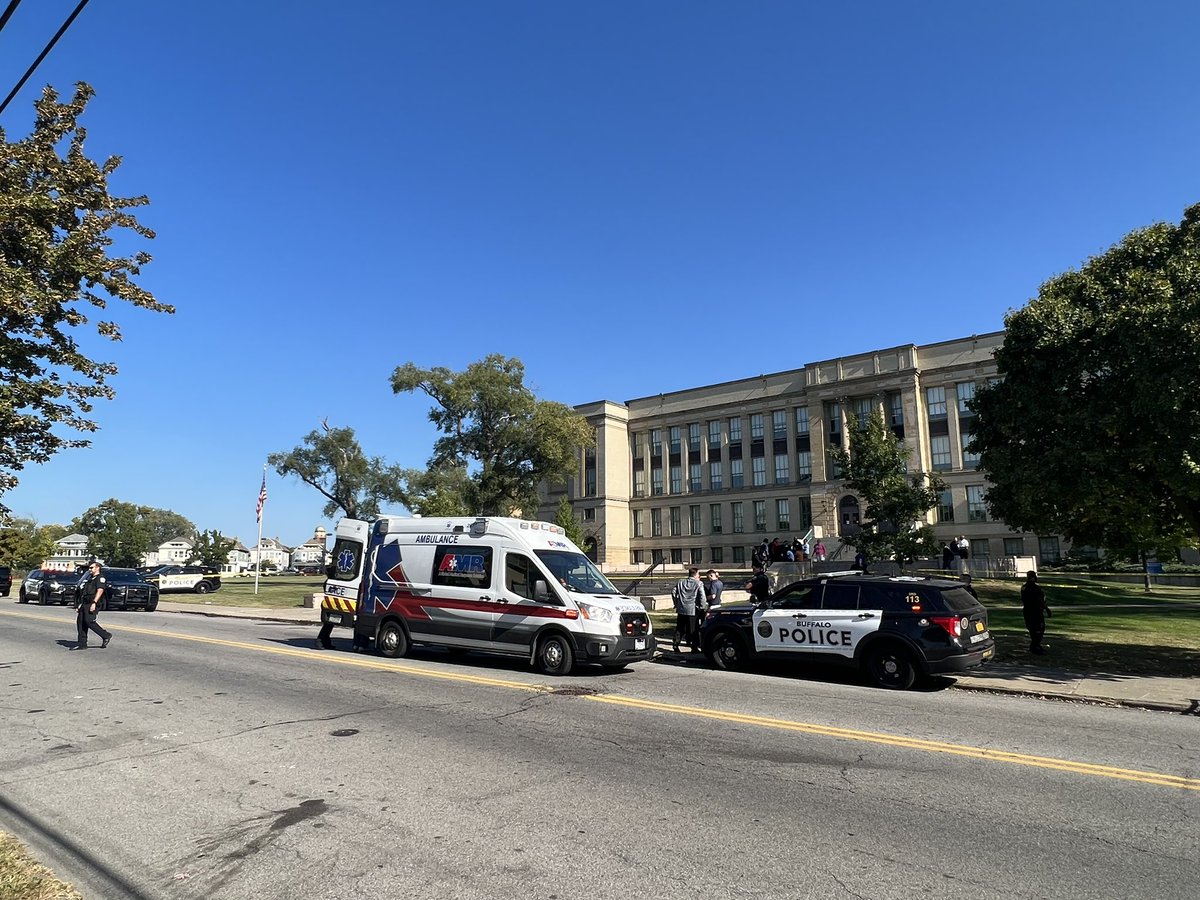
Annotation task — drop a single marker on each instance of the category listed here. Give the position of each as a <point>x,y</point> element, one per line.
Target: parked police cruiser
<point>186,579</point>
<point>895,629</point>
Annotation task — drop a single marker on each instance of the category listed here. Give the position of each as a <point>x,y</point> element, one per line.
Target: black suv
<point>894,629</point>
<point>5,580</point>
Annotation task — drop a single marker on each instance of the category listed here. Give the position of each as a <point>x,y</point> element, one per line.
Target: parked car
<point>6,581</point>
<point>189,579</point>
<point>127,589</point>
<point>59,587</point>
<point>312,570</point>
<point>30,586</point>
<point>894,629</point>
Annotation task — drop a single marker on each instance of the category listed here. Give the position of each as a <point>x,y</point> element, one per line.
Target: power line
<point>50,46</point>
<point>12,8</point>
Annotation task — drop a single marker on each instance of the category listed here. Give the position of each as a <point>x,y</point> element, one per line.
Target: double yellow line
<point>849,734</point>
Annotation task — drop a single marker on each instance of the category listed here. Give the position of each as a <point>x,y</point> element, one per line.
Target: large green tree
<point>57,278</point>
<point>876,468</point>
<point>1093,429</point>
<point>331,461</point>
<point>494,428</point>
<point>211,548</point>
<point>564,517</point>
<point>25,544</point>
<point>122,533</point>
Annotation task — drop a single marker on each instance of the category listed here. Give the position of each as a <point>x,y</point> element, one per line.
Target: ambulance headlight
<point>597,613</point>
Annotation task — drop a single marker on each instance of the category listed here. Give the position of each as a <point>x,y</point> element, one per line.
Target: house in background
<point>238,560</point>
<point>311,552</point>
<point>175,552</point>
<point>70,552</point>
<point>270,551</point>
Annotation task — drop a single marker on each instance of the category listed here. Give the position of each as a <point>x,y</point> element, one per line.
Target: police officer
<point>91,595</point>
<point>1035,610</point>
<point>759,586</point>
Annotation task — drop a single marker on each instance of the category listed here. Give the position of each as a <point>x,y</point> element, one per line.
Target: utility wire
<point>50,46</point>
<point>12,8</point>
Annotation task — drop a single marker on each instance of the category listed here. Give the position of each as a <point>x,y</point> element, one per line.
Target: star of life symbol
<point>345,561</point>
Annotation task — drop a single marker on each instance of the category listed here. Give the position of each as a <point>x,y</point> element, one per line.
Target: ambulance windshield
<point>576,572</point>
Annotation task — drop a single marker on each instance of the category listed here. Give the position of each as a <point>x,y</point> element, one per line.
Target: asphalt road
<point>219,758</point>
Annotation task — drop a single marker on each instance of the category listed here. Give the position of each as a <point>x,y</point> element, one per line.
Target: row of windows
<point>981,548</point>
<point>716,520</point>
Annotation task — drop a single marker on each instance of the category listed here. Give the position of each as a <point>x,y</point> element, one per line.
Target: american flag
<point>262,498</point>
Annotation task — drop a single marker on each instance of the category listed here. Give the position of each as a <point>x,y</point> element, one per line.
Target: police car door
<point>814,620</point>
<point>521,613</point>
<point>461,608</point>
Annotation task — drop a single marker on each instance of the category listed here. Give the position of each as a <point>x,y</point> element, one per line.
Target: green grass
<point>23,878</point>
<point>274,592</point>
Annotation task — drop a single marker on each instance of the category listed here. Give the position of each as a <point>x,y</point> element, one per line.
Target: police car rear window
<point>959,600</point>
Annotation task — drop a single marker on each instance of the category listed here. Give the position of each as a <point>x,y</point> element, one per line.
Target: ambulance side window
<point>519,573</point>
<point>461,566</point>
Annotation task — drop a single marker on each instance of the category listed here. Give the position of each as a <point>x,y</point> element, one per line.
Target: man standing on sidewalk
<point>91,595</point>
<point>1033,605</point>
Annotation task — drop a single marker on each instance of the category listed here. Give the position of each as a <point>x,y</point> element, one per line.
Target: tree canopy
<point>564,517</point>
<point>211,548</point>
<point>1093,429</point>
<point>56,273</point>
<point>122,533</point>
<point>26,544</point>
<point>496,430</point>
<point>875,468</point>
<point>331,461</point>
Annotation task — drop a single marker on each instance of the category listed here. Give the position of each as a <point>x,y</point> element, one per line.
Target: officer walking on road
<point>91,595</point>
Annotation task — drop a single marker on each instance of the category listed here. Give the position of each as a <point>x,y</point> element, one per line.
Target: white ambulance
<point>499,585</point>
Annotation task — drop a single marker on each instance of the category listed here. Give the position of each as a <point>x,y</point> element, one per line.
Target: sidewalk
<point>1180,695</point>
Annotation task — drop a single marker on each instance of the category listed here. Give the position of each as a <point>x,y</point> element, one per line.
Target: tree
<point>117,533</point>
<point>164,525</point>
<point>494,428</point>
<point>439,492</point>
<point>25,544</point>
<point>331,460</point>
<point>211,548</point>
<point>1093,430</point>
<point>56,215</point>
<point>564,517</point>
<point>875,468</point>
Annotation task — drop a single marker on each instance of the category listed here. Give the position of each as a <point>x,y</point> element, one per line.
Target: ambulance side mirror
<point>541,592</point>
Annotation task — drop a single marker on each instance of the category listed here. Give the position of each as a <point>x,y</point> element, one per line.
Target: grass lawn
<point>23,878</point>
<point>274,592</point>
<point>1096,628</point>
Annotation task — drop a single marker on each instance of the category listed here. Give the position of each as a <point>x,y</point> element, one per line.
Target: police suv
<point>894,629</point>
<point>188,579</point>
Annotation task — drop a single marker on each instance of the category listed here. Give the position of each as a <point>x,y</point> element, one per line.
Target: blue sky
<point>632,197</point>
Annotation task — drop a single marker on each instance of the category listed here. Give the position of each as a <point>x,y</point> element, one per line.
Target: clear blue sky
<point>632,197</point>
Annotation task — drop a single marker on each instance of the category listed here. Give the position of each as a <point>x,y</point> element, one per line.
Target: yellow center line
<point>920,744</point>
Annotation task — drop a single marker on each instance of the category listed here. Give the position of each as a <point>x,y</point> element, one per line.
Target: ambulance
<point>500,585</point>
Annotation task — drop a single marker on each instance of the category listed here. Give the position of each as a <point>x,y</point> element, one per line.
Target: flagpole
<point>258,546</point>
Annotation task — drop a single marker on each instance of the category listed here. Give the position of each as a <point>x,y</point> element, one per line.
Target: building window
<point>656,442</point>
<point>737,478</point>
<point>756,427</point>
<point>781,470</point>
<point>804,465</point>
<point>656,522</point>
<point>783,515</point>
<point>695,479</point>
<point>735,429</point>
<point>739,556</point>
<point>945,507</point>
<point>739,524</point>
<point>676,556</point>
<point>939,452</point>
<point>697,556</point>
<point>676,522</point>
<point>760,515</point>
<point>895,404</point>
<point>717,555</point>
<point>589,515</point>
<point>805,512</point>
<point>833,413</point>
<point>833,467</point>
<point>694,515</point>
<point>694,437</point>
<point>969,459</point>
<point>1049,551</point>
<point>862,411</point>
<point>714,518</point>
<point>656,482</point>
<point>779,424</point>
<point>673,447</point>
<point>758,467</point>
<point>966,393</point>
<point>676,479</point>
<point>1014,546</point>
<point>639,482</point>
<point>935,402</point>
<point>801,420</point>
<point>639,523</point>
<point>715,481</point>
<point>639,557</point>
<point>714,434</point>
<point>976,507</point>
<point>589,473</point>
<point>981,548</point>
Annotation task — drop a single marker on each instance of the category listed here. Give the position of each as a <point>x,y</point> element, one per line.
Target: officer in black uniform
<point>91,595</point>
<point>759,586</point>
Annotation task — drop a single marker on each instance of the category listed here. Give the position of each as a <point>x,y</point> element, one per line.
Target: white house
<point>270,551</point>
<point>69,553</point>
<point>312,551</point>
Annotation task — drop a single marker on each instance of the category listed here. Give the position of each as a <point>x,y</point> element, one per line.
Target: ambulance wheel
<point>554,655</point>
<point>202,587</point>
<point>391,641</point>
<point>890,666</point>
<point>727,651</point>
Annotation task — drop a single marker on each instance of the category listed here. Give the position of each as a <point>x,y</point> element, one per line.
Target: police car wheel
<point>392,641</point>
<point>555,656</point>
<point>890,667</point>
<point>727,651</point>
<point>202,587</point>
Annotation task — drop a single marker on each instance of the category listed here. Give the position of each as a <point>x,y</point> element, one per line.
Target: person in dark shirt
<point>759,586</point>
<point>1035,610</point>
<point>91,595</point>
<point>966,583</point>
